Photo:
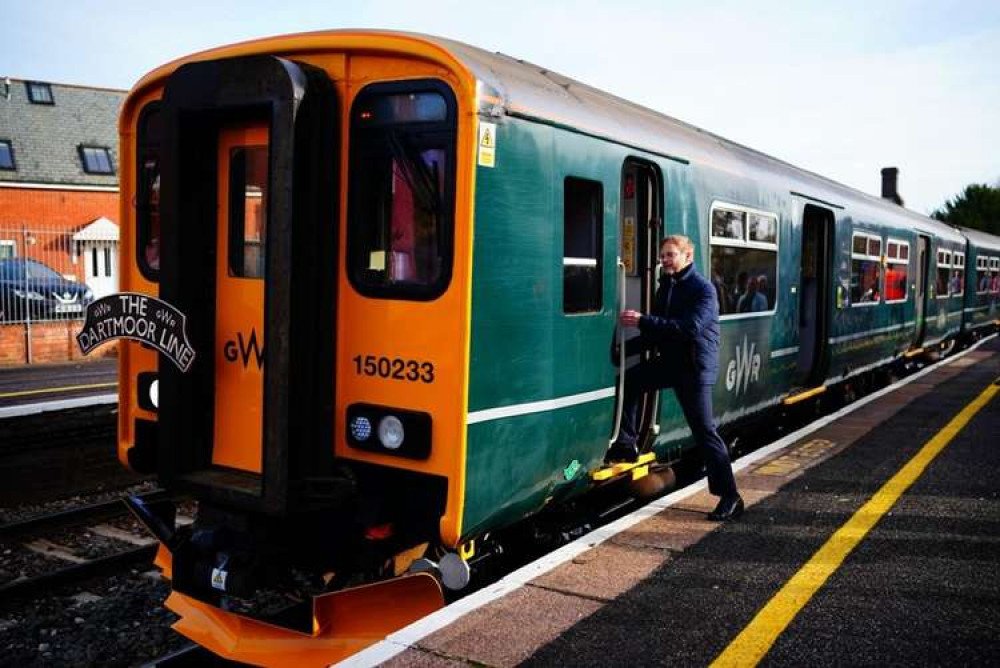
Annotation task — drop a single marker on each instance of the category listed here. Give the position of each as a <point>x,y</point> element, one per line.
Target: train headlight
<point>390,432</point>
<point>361,428</point>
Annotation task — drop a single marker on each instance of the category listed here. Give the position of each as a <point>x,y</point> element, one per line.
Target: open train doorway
<point>640,228</point>
<point>815,293</point>
<point>923,270</point>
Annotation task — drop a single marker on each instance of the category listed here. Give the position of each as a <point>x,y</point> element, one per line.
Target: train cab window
<point>744,258</point>
<point>401,190</point>
<point>897,258</point>
<point>943,273</point>
<point>247,211</point>
<point>982,275</point>
<point>995,275</point>
<point>582,248</point>
<point>148,191</point>
<point>866,269</point>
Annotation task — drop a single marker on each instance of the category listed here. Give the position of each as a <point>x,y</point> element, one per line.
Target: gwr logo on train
<point>744,368</point>
<point>241,349</point>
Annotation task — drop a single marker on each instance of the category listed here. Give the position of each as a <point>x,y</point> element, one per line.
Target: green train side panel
<point>524,349</point>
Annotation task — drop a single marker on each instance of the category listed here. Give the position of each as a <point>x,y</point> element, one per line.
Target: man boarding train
<point>683,332</point>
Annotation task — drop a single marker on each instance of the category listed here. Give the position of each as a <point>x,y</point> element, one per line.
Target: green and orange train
<point>391,266</point>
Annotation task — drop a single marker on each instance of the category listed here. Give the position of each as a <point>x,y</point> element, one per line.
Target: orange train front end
<point>299,215</point>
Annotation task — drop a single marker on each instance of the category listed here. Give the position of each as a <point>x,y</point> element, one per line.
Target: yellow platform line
<point>53,390</point>
<point>756,640</point>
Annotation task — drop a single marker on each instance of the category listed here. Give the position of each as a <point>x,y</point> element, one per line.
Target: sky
<point>839,88</point>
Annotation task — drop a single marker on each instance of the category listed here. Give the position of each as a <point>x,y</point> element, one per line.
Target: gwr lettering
<point>394,369</point>
<point>165,317</point>
<point>234,350</point>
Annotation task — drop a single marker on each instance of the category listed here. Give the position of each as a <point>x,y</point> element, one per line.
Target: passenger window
<point>943,273</point>
<point>957,285</point>
<point>582,248</point>
<point>728,224</point>
<point>744,258</point>
<point>995,275</point>
<point>866,269</point>
<point>982,274</point>
<point>897,270</point>
<point>247,211</point>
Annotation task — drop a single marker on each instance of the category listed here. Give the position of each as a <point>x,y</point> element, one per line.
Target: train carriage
<point>981,310</point>
<point>382,274</point>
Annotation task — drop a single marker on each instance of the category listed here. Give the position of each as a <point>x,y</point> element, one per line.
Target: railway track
<point>73,545</point>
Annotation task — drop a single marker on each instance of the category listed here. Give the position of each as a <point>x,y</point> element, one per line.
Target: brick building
<point>58,207</point>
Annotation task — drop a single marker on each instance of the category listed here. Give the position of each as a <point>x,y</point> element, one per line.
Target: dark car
<point>31,289</point>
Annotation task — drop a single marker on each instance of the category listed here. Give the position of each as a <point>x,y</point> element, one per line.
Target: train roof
<point>980,238</point>
<point>521,88</point>
<point>509,86</point>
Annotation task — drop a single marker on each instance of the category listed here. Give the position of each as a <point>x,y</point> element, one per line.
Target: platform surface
<point>922,587</point>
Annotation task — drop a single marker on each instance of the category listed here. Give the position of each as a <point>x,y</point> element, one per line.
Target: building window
<point>6,155</point>
<point>7,249</point>
<point>866,269</point>
<point>583,206</point>
<point>96,160</point>
<point>39,92</point>
<point>897,259</point>
<point>943,273</point>
<point>744,251</point>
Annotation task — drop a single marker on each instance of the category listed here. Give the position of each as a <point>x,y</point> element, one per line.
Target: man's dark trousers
<point>696,402</point>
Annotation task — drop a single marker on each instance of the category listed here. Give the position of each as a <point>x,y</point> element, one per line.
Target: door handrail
<point>620,393</point>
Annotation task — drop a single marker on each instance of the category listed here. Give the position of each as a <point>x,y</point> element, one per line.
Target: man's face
<point>673,258</point>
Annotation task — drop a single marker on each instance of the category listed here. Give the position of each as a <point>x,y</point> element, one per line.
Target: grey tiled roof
<point>45,138</point>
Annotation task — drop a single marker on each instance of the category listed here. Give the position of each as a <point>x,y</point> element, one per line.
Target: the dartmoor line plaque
<point>128,315</point>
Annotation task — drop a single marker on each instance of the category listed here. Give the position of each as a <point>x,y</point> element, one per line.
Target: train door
<point>923,259</point>
<point>814,293</point>
<point>639,228</point>
<point>239,298</point>
<point>247,219</point>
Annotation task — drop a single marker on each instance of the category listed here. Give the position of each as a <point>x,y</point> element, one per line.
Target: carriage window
<point>401,190</point>
<point>728,224</point>
<point>982,274</point>
<point>582,209</point>
<point>995,275</point>
<point>896,270</point>
<point>943,273</point>
<point>744,260</point>
<point>866,269</point>
<point>957,285</point>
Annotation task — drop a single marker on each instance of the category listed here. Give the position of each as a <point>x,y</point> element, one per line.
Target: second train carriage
<point>400,259</point>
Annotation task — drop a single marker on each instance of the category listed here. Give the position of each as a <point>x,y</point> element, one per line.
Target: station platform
<point>874,539</point>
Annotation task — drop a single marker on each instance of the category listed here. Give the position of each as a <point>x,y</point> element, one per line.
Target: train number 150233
<point>395,368</point>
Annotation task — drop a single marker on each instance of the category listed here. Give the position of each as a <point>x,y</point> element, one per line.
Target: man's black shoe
<point>622,452</point>
<point>729,508</point>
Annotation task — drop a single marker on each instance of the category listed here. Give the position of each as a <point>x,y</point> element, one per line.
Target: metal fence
<point>49,275</point>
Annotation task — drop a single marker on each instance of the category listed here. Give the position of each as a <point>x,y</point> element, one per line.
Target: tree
<point>977,207</point>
